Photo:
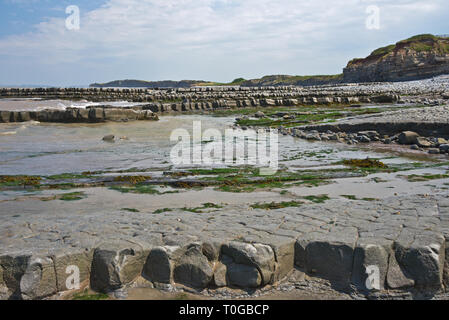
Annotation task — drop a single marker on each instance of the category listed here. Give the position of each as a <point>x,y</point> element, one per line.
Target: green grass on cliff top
<point>419,43</point>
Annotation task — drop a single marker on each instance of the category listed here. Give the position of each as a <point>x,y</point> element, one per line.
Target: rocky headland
<point>419,57</point>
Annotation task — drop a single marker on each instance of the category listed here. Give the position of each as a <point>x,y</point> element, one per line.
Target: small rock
<point>414,147</point>
<point>434,151</point>
<point>408,137</point>
<point>109,138</point>
<point>440,141</point>
<point>364,139</point>
<point>259,114</point>
<point>313,136</point>
<point>444,148</point>
<point>423,143</point>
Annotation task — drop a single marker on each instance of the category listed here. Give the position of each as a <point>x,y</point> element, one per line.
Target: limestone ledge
<point>148,111</point>
<point>405,238</point>
<point>78,115</point>
<point>429,121</point>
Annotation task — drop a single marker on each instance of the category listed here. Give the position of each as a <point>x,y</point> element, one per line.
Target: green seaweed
<point>317,199</point>
<point>73,196</point>
<point>425,177</point>
<point>276,205</point>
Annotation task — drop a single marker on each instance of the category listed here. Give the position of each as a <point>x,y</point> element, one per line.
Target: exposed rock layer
<point>416,58</point>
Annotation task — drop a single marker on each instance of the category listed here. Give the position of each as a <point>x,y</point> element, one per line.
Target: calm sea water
<point>35,148</point>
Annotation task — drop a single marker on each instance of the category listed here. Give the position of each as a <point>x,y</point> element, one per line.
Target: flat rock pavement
<point>438,114</point>
<point>426,121</point>
<point>399,241</point>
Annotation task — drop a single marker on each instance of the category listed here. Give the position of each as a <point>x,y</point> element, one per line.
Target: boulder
<point>254,255</point>
<point>39,279</point>
<point>210,251</point>
<point>423,260</point>
<point>408,137</point>
<point>5,116</point>
<point>423,143</point>
<point>329,260</point>
<point>370,258</point>
<point>243,276</point>
<point>284,250</point>
<point>192,268</point>
<point>114,268</point>
<point>397,278</point>
<point>64,262</point>
<point>328,255</point>
<point>444,148</point>
<point>13,268</point>
<point>27,277</point>
<point>158,267</point>
<point>220,275</point>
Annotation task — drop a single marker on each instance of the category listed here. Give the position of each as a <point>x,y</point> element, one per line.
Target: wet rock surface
<point>424,129</point>
<point>251,249</point>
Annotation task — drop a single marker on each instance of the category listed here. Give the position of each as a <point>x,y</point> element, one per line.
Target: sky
<point>217,40</point>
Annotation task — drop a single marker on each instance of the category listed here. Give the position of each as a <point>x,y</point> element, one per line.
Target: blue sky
<point>198,39</point>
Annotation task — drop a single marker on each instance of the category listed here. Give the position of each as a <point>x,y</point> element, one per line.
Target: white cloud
<point>248,35</point>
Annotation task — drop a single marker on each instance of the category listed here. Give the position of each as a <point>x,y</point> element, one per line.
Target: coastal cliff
<point>419,57</point>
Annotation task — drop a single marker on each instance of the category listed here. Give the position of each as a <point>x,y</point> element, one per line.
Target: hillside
<point>286,80</point>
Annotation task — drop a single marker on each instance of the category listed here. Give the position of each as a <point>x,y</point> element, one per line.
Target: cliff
<point>419,57</point>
